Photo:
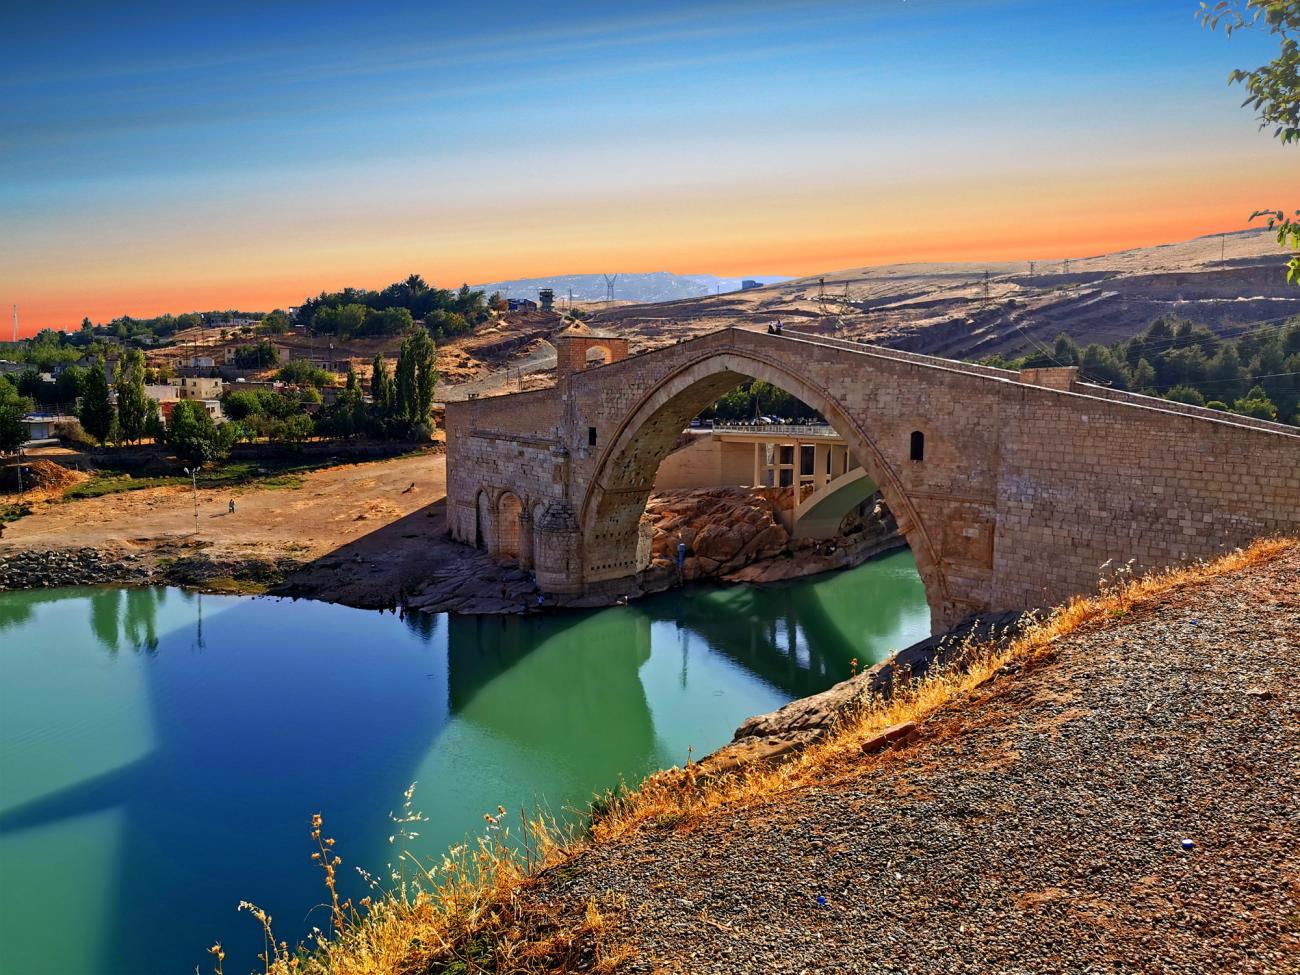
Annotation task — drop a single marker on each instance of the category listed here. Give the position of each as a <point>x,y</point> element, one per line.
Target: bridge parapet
<point>1010,495</point>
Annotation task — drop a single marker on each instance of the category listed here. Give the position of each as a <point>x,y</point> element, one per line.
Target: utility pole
<point>15,323</point>
<point>1065,266</point>
<point>609,287</point>
<point>194,486</point>
<point>985,287</point>
<point>1223,247</point>
<point>1032,265</point>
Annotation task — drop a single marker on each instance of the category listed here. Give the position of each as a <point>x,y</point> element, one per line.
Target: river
<point>161,752</point>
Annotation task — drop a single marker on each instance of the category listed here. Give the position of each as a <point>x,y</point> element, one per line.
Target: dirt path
<point>1128,805</point>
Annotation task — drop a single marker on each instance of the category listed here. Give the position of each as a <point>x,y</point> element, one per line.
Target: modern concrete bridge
<point>1012,489</point>
<point>813,460</point>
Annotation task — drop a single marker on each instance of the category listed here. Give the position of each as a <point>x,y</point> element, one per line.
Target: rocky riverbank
<point>781,733</point>
<point>86,566</point>
<point>732,535</point>
<point>1116,797</point>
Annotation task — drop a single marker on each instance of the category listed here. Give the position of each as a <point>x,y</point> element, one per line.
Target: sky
<point>155,158</point>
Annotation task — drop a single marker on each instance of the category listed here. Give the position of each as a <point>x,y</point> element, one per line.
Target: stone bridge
<point>1012,489</point>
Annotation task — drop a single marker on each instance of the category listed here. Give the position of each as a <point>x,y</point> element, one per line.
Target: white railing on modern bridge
<point>801,431</point>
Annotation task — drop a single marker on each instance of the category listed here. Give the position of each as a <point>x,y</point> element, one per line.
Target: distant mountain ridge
<point>643,288</point>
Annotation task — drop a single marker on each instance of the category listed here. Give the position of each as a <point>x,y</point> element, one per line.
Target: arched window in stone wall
<point>918,445</point>
<point>508,510</point>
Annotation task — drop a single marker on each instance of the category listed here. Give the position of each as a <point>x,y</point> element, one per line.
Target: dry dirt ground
<point>363,529</point>
<point>1125,805</point>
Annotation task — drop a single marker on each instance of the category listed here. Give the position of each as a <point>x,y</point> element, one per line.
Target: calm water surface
<point>162,752</point>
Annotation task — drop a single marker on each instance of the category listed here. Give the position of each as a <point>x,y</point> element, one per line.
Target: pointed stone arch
<point>610,513</point>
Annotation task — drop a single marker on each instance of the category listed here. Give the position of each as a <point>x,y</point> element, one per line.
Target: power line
<point>1244,379</point>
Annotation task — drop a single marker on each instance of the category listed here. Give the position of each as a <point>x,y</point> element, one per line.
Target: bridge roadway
<point>1013,489</point>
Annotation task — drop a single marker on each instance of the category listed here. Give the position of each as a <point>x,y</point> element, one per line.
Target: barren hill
<point>977,310</point>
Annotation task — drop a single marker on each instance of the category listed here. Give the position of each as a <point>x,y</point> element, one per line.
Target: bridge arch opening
<point>598,355</point>
<point>614,544</point>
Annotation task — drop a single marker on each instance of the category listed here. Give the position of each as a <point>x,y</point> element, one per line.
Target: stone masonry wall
<point>1022,493</point>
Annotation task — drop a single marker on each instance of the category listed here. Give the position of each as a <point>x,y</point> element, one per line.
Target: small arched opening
<point>482,521</point>
<point>598,355</point>
<point>918,446</point>
<point>509,508</point>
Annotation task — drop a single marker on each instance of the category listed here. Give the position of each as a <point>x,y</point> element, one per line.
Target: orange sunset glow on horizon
<point>680,141</point>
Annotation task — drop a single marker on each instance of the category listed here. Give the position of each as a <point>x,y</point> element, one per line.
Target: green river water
<point>162,752</point>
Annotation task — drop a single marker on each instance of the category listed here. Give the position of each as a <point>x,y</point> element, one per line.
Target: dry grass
<point>471,914</point>
<point>680,795</point>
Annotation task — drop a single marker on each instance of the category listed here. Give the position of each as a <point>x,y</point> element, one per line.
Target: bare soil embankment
<point>355,533</point>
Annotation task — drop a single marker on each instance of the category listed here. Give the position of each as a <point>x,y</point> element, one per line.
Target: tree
<point>1272,90</point>
<point>1225,371</point>
<point>1144,376</point>
<point>70,383</point>
<point>388,321</point>
<point>417,376</point>
<point>31,385</point>
<point>296,430</point>
<point>96,412</point>
<point>276,323</point>
<point>1066,351</point>
<point>263,355</point>
<point>343,321</point>
<point>381,385</point>
<point>194,436</point>
<point>404,383</point>
<point>154,428</point>
<point>1257,404</point>
<point>1099,366</point>
<point>132,403</point>
<point>12,410</point>
<point>1186,394</point>
<point>300,372</point>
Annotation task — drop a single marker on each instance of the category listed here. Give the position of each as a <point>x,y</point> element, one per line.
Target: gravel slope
<point>1038,828</point>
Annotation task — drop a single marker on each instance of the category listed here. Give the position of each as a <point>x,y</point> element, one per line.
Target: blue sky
<point>156,155</point>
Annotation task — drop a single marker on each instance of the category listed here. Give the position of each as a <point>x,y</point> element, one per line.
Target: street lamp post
<point>194,486</point>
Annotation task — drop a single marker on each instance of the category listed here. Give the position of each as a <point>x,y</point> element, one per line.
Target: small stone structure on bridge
<point>1012,489</point>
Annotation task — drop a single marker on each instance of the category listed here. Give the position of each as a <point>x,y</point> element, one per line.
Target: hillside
<point>643,288</point>
<point>952,310</point>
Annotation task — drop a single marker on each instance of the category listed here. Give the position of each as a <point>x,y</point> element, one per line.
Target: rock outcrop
<point>737,535</point>
<point>778,734</point>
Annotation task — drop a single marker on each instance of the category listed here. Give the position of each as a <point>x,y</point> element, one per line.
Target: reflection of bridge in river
<point>249,715</point>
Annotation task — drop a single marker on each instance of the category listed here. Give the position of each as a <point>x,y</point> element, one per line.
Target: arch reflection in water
<point>151,776</point>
